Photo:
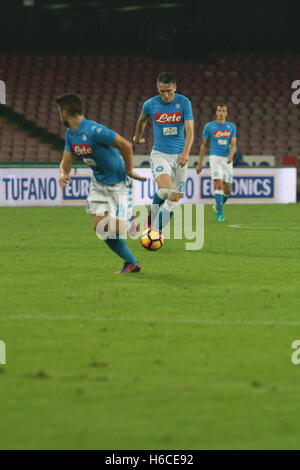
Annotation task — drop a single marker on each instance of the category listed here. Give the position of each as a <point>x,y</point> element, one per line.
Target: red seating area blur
<point>257,89</point>
<point>18,146</point>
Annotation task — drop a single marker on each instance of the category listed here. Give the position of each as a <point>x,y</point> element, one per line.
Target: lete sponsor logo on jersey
<point>162,118</point>
<point>219,134</point>
<point>82,149</point>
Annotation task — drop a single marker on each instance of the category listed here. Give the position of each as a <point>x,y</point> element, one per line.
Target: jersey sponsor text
<point>162,118</point>
<point>224,133</point>
<point>82,149</point>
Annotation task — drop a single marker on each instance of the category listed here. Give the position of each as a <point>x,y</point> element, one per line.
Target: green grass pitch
<point>192,353</point>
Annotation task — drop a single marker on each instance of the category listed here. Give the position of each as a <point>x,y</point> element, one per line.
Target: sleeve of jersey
<point>104,136</point>
<point>146,108</point>
<point>234,131</point>
<point>67,145</point>
<point>205,133</point>
<point>188,112</point>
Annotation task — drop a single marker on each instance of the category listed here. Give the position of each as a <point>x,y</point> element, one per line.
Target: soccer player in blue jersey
<point>173,126</point>
<point>110,198</point>
<point>220,136</point>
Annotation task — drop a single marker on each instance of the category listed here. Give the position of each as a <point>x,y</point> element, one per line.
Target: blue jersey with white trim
<point>93,144</point>
<point>219,137</point>
<point>168,122</point>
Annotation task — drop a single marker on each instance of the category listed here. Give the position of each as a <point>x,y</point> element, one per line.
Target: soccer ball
<point>152,239</point>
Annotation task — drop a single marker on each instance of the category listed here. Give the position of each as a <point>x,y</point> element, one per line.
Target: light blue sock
<point>157,200</point>
<point>225,198</point>
<point>156,203</point>
<point>118,245</point>
<point>163,218</point>
<point>219,201</point>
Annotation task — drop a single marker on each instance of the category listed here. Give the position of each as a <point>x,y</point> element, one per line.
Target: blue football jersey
<point>92,143</point>
<point>219,137</point>
<point>168,122</point>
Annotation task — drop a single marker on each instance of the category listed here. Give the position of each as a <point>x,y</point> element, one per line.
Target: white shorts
<point>164,163</point>
<point>117,199</point>
<point>220,169</point>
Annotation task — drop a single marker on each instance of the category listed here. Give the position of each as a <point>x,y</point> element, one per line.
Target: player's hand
<point>140,141</point>
<point>64,181</point>
<point>183,159</point>
<point>229,160</point>
<point>135,176</point>
<point>199,168</point>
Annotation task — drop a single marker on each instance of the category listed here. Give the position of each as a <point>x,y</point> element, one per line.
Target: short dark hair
<point>222,105</point>
<point>165,77</point>
<point>71,103</point>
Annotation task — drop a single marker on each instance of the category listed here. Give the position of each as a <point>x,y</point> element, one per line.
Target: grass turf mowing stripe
<point>156,320</point>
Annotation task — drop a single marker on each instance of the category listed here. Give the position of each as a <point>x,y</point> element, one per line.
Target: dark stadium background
<point>176,29</point>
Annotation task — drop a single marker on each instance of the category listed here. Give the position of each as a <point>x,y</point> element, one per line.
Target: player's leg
<point>161,171</point>
<point>108,226</point>
<point>219,194</point>
<point>164,183</point>
<point>112,232</point>
<point>106,223</point>
<point>167,211</point>
<point>215,163</point>
<point>227,187</point>
<point>227,179</point>
<point>120,215</point>
<point>108,229</point>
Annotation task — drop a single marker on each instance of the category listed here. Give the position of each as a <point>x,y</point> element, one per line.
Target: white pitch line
<point>256,226</point>
<point>200,321</point>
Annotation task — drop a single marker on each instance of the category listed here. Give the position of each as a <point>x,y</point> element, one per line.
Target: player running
<point>173,126</point>
<point>110,198</point>
<point>221,137</point>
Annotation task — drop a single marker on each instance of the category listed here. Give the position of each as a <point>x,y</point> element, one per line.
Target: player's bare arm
<point>125,149</point>
<point>232,149</point>
<point>202,153</point>
<point>65,169</point>
<point>189,139</point>
<point>139,129</point>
